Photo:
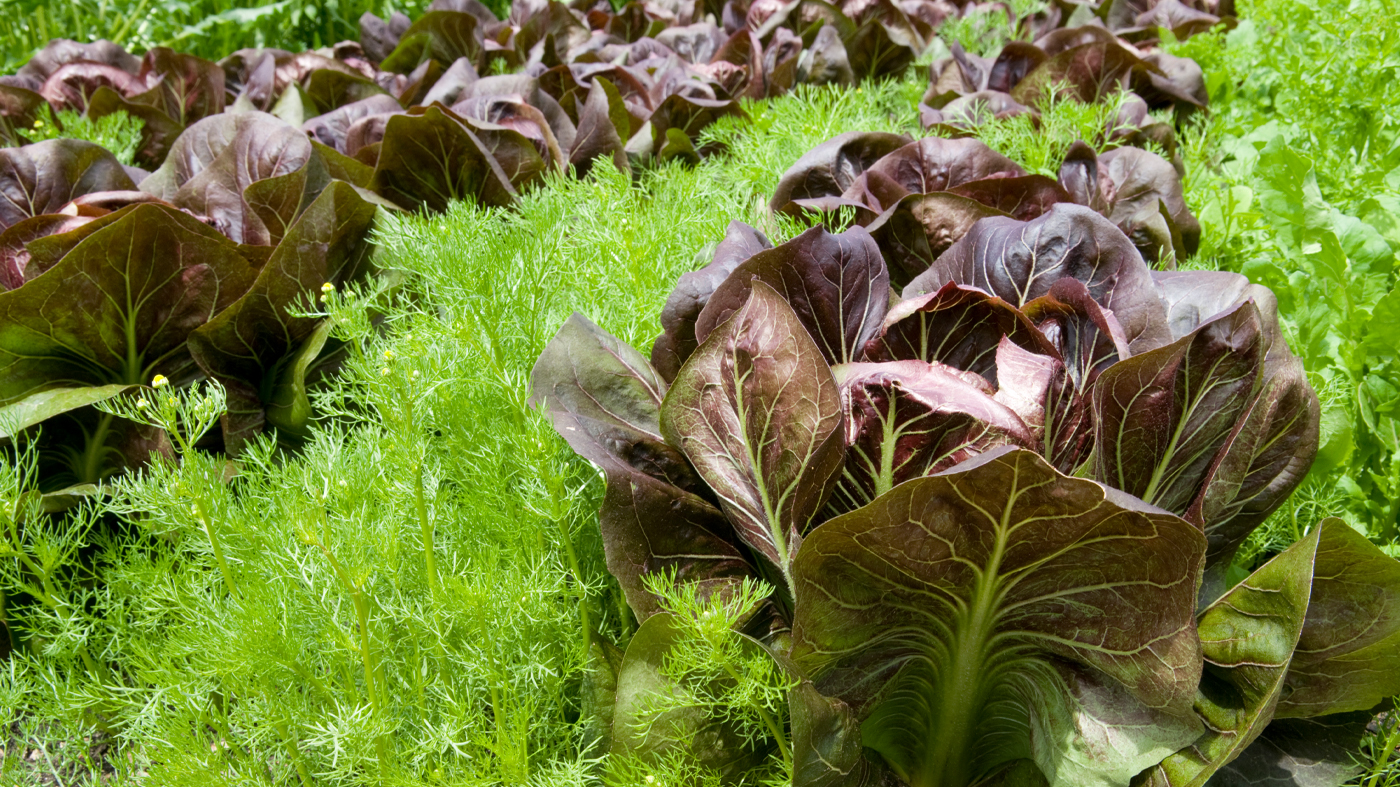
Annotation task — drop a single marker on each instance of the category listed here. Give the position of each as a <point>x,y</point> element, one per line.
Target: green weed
<point>410,598</point>
<point>208,28</point>
<point>118,132</point>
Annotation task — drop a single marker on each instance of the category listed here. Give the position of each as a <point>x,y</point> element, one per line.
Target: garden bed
<point>407,582</point>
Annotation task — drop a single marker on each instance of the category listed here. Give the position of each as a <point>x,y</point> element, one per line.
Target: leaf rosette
<point>989,508</point>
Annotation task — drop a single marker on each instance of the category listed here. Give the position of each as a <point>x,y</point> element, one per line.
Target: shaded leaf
<point>1247,637</point>
<point>1299,753</point>
<point>1161,417</point>
<point>249,173</point>
<point>688,729</point>
<point>836,284</point>
<point>604,399</point>
<point>1019,261</point>
<point>43,177</point>
<point>431,159</point>
<point>908,419</point>
<point>119,307</point>
<point>246,345</point>
<point>957,326</point>
<point>692,293</point>
<point>1348,656</point>
<point>831,167</point>
<point>649,525</point>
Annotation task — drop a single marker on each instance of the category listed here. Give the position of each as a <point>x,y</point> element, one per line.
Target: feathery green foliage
<point>277,619</point>
<point>207,28</point>
<point>410,600</point>
<point>118,132</point>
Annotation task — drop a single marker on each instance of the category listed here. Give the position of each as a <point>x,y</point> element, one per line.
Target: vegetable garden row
<point>1017,417</point>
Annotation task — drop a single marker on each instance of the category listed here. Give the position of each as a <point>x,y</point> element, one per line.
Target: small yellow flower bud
<point>414,376</point>
<point>385,372</point>
<point>38,124</point>
<point>388,355</point>
<point>159,381</point>
<point>171,401</point>
<point>327,287</point>
<point>141,404</point>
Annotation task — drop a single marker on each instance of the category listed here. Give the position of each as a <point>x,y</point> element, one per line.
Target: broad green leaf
<point>1348,656</point>
<point>1382,336</point>
<point>757,412</point>
<point>443,36</point>
<point>120,306</point>
<point>39,407</point>
<point>1288,193</point>
<point>1248,637</point>
<point>246,345</point>
<point>288,408</point>
<point>329,89</point>
<point>826,747</point>
<point>1003,611</point>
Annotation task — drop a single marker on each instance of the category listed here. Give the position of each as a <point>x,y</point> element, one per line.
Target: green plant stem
<point>420,499</point>
<point>574,566</point>
<point>768,721</point>
<point>217,546</point>
<point>294,753</point>
<point>127,21</point>
<point>357,597</point>
<point>1382,757</point>
<point>90,462</point>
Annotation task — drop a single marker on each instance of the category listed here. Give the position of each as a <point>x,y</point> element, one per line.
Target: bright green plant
<point>208,28</point>
<point>1300,193</point>
<point>118,132</point>
<point>1040,143</point>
